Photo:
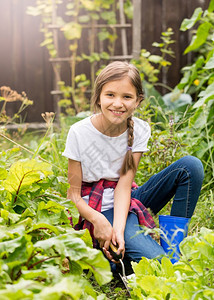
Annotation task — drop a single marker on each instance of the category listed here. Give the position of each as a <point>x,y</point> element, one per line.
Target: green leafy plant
<point>198,79</point>
<point>190,278</point>
<point>151,65</point>
<point>41,254</point>
<point>199,75</point>
<point>166,144</point>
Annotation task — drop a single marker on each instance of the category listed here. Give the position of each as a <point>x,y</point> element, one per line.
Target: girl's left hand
<point>117,241</point>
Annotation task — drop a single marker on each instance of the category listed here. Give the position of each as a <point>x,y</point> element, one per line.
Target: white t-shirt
<point>101,156</point>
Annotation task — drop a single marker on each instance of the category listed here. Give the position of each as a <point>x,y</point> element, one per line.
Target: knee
<point>194,166</point>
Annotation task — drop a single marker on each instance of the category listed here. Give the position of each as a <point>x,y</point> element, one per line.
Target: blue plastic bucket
<point>174,230</point>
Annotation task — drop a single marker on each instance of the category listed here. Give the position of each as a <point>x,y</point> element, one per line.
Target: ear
<point>139,100</point>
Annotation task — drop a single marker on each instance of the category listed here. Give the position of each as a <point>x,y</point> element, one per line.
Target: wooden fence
<point>25,66</point>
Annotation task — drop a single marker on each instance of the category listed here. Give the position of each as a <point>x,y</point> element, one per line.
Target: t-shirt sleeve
<point>142,134</point>
<point>71,147</point>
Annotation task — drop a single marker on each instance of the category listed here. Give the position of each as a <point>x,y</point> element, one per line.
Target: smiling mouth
<point>117,113</point>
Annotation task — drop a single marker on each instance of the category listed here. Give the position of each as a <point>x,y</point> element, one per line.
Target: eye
<point>110,95</point>
<point>127,97</point>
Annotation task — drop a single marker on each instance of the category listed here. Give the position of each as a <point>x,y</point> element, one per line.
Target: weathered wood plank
<point>5,43</point>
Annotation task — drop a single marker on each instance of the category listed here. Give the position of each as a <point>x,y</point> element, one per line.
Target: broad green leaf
<point>28,212</point>
<point>84,19</point>
<point>10,293</point>
<point>103,35</point>
<point>155,59</point>
<point>70,206</point>
<point>159,45</point>
<point>44,226</point>
<point>208,235</point>
<point>33,274</point>
<point>72,31</point>
<point>104,55</point>
<point>14,231</point>
<point>188,23</point>
<point>183,290</point>
<point>46,42</point>
<point>88,4</point>
<point>3,173</point>
<point>4,276</point>
<point>67,245</point>
<point>49,273</point>
<point>206,250</point>
<point>69,286</point>
<point>109,16</point>
<point>210,63</point>
<point>200,38</point>
<point>50,206</point>
<point>53,218</point>
<point>98,264</point>
<point>9,217</point>
<point>75,268</point>
<point>211,6</point>
<point>155,285</point>
<point>142,268</point>
<point>204,96</point>
<point>16,251</point>
<point>23,289</point>
<point>167,267</point>
<point>23,174</point>
<point>10,246</point>
<point>86,237</point>
<point>195,117</point>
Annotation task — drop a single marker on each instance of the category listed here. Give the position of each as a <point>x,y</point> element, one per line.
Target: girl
<point>104,151</point>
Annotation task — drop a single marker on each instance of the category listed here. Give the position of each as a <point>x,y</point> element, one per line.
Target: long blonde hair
<point>112,72</point>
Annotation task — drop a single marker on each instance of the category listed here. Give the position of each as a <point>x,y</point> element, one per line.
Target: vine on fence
<point>75,18</point>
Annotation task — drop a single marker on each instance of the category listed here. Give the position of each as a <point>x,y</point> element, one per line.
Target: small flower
<point>9,95</point>
<point>48,117</point>
<point>196,82</point>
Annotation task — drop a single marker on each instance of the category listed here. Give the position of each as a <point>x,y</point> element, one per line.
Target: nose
<point>117,102</point>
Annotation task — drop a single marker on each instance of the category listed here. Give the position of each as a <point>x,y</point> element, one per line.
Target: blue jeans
<point>181,180</point>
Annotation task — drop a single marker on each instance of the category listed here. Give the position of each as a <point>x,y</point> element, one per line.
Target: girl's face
<point>118,100</point>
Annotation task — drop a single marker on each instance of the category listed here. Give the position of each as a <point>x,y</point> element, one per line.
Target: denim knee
<point>194,166</point>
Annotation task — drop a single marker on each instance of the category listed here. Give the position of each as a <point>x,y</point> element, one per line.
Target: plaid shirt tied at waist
<point>95,191</point>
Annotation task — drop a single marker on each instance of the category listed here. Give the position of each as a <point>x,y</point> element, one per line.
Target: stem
<point>163,85</point>
<point>29,151</point>
<point>41,261</point>
<point>20,183</point>
<point>3,107</point>
<point>37,150</point>
<point>32,256</point>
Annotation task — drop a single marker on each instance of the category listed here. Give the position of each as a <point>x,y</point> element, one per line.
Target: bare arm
<point>122,197</point>
<point>102,228</point>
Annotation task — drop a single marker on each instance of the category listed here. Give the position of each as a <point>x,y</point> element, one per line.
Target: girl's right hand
<point>103,231</point>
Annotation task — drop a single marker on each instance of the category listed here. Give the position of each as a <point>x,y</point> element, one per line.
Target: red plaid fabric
<point>95,191</point>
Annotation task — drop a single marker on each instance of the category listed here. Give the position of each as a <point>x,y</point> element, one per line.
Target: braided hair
<point>112,72</point>
<point>128,162</point>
